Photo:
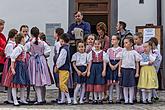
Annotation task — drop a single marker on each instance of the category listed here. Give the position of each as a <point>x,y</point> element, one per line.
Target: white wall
<point>33,13</point>
<point>135,14</point>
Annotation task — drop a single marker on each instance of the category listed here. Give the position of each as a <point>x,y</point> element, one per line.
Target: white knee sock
<point>117,91</point>
<point>9,95</point>
<point>95,95</point>
<point>77,89</point>
<point>125,90</point>
<point>62,97</point>
<point>82,93</point>
<point>14,94</point>
<point>39,95</point>
<point>154,93</point>
<point>149,95</point>
<point>111,92</point>
<point>68,97</point>
<point>100,95</point>
<point>22,95</point>
<point>144,95</point>
<point>131,94</point>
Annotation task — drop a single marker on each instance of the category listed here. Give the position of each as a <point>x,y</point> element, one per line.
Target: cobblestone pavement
<point>160,105</point>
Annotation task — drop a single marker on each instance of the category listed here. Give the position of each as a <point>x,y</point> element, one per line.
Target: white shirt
<point>80,59</point>
<point>57,45</point>
<point>61,58</point>
<point>47,48</point>
<point>16,52</point>
<point>9,48</point>
<point>129,58</point>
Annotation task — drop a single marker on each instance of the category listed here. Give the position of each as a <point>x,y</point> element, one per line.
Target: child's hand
<point>115,66</point>
<point>103,74</point>
<point>13,71</point>
<point>112,67</point>
<point>150,62</point>
<point>88,74</point>
<point>136,75</point>
<point>79,73</point>
<point>55,69</point>
<point>84,73</point>
<point>119,74</point>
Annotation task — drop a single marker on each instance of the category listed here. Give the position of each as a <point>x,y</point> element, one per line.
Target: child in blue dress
<point>128,69</point>
<point>18,74</point>
<point>79,60</point>
<point>112,68</point>
<point>96,72</point>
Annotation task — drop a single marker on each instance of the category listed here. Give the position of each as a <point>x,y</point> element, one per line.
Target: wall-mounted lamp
<point>141,1</point>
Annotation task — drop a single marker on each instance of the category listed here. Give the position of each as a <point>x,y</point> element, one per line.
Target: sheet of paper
<point>148,33</point>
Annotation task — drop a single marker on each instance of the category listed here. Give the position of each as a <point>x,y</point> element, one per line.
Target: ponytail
<point>35,32</point>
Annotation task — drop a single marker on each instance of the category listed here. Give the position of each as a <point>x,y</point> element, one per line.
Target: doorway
<point>95,11</point>
<point>94,19</point>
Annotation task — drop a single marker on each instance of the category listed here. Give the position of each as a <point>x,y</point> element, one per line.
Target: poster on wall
<point>148,33</point>
<point>50,28</point>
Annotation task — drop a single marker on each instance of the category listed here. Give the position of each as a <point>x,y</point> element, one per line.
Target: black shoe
<point>126,103</point>
<point>122,100</point>
<point>38,103</point>
<point>100,102</point>
<point>135,101</point>
<point>95,102</point>
<point>131,103</point>
<point>7,102</point>
<point>156,98</point>
<point>118,102</point>
<point>110,102</point>
<point>143,102</point>
<point>149,102</point>
<point>44,102</point>
<point>22,103</point>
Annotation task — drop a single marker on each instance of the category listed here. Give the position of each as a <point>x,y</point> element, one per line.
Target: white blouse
<point>105,56</point>
<point>129,58</point>
<point>80,59</point>
<point>16,52</point>
<point>9,48</point>
<point>47,48</point>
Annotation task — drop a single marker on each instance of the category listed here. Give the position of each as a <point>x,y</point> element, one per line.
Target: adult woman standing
<point>2,48</point>
<point>102,34</point>
<point>2,45</point>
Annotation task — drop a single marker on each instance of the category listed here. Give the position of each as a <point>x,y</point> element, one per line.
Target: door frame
<point>108,12</point>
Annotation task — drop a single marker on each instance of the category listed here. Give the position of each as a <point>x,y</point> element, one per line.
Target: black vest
<point>66,66</point>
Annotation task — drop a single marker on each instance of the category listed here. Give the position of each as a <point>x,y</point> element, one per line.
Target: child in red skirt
<point>18,75</point>
<point>8,51</point>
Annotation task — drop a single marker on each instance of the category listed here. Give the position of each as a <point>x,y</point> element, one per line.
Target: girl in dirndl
<point>17,76</point>
<point>148,80</point>
<point>37,66</point>
<point>8,51</point>
<point>128,69</point>
<point>112,68</point>
<point>96,72</point>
